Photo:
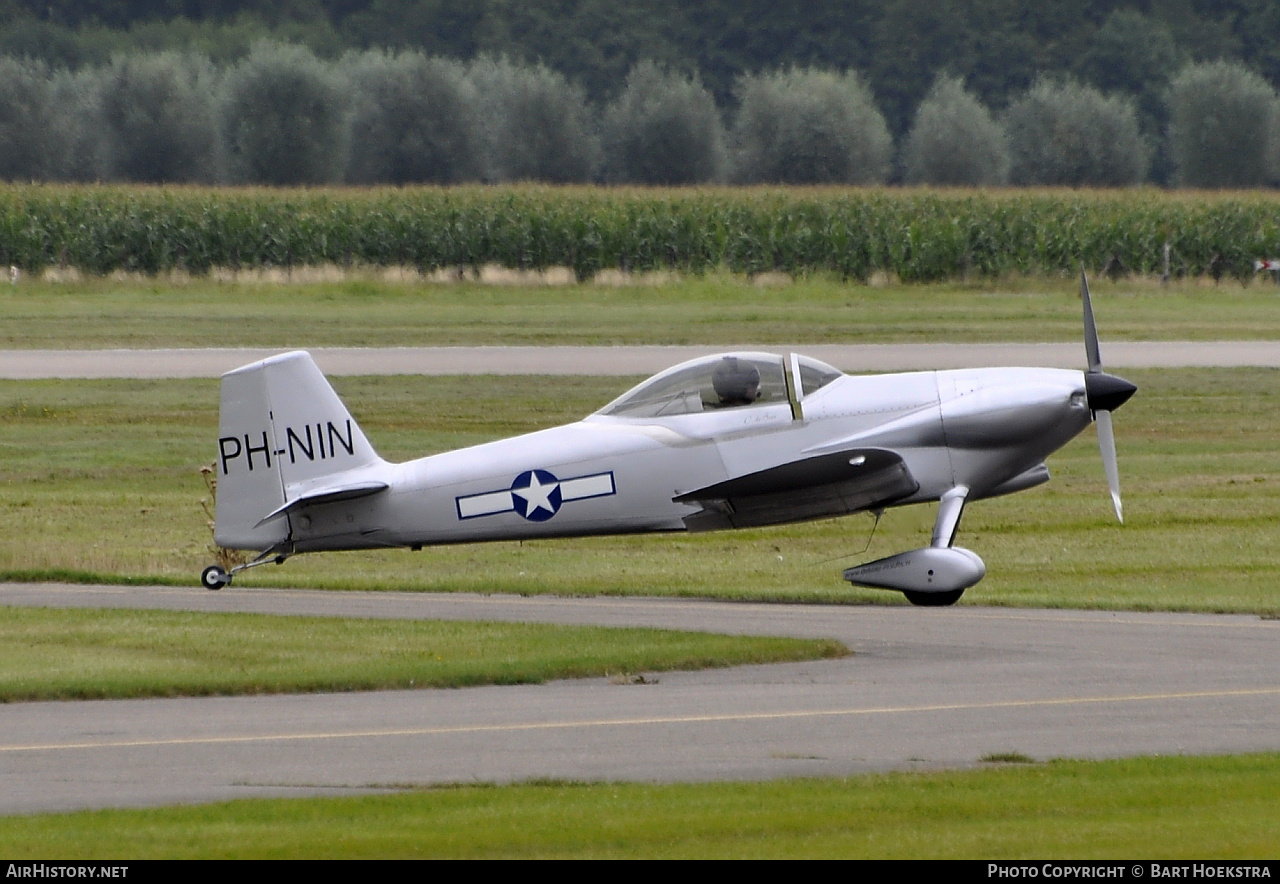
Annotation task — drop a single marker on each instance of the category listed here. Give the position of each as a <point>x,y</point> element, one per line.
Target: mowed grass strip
<point>717,310</point>
<point>1203,809</point>
<point>99,482</point>
<point>50,654</point>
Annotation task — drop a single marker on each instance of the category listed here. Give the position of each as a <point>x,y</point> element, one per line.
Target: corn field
<point>911,235</point>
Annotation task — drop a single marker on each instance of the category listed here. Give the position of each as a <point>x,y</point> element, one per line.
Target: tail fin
<point>284,440</point>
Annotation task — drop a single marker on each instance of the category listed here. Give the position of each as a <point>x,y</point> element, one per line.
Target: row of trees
<point>999,47</point>
<point>283,116</point>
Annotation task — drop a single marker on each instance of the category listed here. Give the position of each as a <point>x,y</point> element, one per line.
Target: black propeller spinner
<point>1106,391</point>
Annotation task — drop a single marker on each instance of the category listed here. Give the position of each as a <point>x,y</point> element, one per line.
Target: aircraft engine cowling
<point>928,570</point>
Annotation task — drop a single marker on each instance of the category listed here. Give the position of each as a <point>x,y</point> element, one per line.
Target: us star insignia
<point>536,495</point>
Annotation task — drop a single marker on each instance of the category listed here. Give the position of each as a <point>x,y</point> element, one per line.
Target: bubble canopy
<point>725,380</point>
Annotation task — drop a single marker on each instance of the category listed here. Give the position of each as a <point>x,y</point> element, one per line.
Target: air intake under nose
<point>1106,391</point>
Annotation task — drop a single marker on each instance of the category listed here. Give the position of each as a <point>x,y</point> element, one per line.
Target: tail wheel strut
<point>215,577</point>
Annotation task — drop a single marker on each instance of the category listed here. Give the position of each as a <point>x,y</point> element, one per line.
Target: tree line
<point>284,116</point>
<point>999,47</point>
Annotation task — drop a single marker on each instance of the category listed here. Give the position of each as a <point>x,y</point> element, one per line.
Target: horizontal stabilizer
<point>330,494</point>
<point>932,569</point>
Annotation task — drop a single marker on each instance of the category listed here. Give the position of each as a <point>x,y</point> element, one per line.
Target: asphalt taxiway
<point>614,361</point>
<point>922,688</point>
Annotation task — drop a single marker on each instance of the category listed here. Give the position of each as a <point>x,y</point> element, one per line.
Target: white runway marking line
<point>623,722</point>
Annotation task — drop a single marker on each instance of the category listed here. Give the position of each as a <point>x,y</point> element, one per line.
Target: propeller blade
<point>1105,393</point>
<point>1107,445</point>
<point>1090,328</point>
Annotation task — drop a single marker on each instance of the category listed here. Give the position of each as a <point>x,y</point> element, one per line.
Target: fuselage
<point>988,430</point>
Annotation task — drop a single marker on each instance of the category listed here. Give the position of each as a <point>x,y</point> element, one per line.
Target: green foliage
<point>902,47</point>
<point>955,140</point>
<point>916,41</point>
<point>1223,126</point>
<point>663,129</point>
<point>806,126</point>
<point>1135,54</point>
<point>1132,53</point>
<point>1070,134</point>
<point>25,109</point>
<point>30,37</point>
<point>283,116</point>
<point>73,126</point>
<point>815,124</point>
<point>914,235</point>
<point>158,119</point>
<point>537,126</point>
<point>414,121</point>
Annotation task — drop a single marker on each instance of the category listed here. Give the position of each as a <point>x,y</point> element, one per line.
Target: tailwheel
<point>214,577</point>
<point>933,599</point>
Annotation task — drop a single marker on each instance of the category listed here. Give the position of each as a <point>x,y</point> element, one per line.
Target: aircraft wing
<point>831,484</point>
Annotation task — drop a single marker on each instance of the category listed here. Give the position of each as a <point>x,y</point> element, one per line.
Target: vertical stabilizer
<point>283,434</point>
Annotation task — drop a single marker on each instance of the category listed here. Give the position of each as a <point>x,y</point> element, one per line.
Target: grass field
<point>716,309</point>
<point>1144,808</point>
<point>48,654</point>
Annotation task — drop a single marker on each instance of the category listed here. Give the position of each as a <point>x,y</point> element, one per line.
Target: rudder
<point>284,437</point>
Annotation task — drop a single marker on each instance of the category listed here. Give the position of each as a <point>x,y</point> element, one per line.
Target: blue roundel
<point>535,494</point>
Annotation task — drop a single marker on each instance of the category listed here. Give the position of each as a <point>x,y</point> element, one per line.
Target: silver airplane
<point>730,440</point>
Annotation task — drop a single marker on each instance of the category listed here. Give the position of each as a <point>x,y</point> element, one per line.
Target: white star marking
<point>537,496</point>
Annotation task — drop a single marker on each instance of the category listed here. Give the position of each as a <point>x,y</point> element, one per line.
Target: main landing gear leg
<point>215,576</point>
<point>950,507</point>
<point>934,576</point>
